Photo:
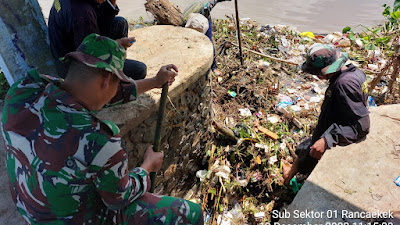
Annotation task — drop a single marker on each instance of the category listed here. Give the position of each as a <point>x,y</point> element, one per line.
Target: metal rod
<point>157,134</point>
<point>238,30</point>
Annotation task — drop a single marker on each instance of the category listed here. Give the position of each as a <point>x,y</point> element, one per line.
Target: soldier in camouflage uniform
<point>65,165</point>
<point>344,117</point>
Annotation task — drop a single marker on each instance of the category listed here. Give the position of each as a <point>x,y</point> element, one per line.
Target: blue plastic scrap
<point>371,102</point>
<point>397,181</point>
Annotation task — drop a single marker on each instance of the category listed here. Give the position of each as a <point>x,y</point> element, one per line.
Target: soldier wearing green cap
<point>344,117</point>
<point>65,165</point>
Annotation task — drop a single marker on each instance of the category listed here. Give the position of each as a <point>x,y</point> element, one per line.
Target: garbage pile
<point>264,109</point>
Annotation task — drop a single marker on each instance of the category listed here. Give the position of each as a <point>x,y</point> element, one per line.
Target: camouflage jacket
<point>65,165</point>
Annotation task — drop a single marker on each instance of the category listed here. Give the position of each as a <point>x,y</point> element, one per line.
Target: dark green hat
<point>323,55</point>
<point>101,52</point>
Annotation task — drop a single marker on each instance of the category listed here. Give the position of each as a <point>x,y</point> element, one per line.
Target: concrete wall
<point>184,137</point>
<point>188,114</point>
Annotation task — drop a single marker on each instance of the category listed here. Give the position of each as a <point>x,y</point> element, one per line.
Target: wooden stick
<point>225,131</point>
<point>164,11</point>
<point>269,57</point>
<point>238,30</point>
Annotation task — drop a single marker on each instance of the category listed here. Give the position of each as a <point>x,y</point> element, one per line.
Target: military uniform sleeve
<point>344,135</point>
<point>116,185</point>
<point>353,109</point>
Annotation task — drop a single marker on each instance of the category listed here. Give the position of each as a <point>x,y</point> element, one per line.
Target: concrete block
<point>356,178</point>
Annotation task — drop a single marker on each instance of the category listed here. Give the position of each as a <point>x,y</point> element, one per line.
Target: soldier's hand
<point>318,149</point>
<point>126,42</point>
<point>165,74</point>
<point>152,160</point>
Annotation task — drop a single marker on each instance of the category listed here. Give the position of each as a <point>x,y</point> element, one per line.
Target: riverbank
<point>271,106</point>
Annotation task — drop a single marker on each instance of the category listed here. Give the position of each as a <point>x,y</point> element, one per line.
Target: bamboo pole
<point>238,30</point>
<point>267,56</point>
<point>157,134</point>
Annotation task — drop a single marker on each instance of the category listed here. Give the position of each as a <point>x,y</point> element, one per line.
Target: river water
<point>321,16</point>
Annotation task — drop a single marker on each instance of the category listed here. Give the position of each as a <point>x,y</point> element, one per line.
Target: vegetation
<point>243,181</point>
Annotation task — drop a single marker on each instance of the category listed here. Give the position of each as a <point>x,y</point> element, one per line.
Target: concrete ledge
<point>189,50</point>
<point>355,178</point>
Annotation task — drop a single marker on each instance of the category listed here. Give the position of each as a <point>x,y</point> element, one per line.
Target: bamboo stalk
<point>157,134</point>
<point>269,57</point>
<point>238,30</point>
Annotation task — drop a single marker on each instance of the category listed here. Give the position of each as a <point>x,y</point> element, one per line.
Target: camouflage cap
<point>101,52</point>
<point>324,55</point>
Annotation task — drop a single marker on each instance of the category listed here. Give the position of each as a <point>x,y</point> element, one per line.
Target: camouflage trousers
<point>159,209</point>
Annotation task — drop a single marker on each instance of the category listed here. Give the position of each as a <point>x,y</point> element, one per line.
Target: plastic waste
<point>288,115</point>
<point>207,217</point>
<point>284,101</point>
<point>265,147</point>
<point>308,34</point>
<point>232,93</point>
<point>333,38</point>
<point>359,43</point>
<point>295,108</point>
<point>371,102</point>
<point>245,112</point>
<point>315,99</point>
<point>295,186</point>
<point>274,119</point>
<point>397,181</point>
<point>273,159</point>
<point>256,176</point>
<point>344,43</point>
<point>373,67</point>
<point>236,214</point>
<point>259,215</point>
<point>201,174</point>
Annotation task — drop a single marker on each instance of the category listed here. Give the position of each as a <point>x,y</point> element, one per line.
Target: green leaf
<point>395,15</point>
<point>376,30</point>
<point>346,29</point>
<point>351,36</point>
<point>386,11</point>
<point>370,46</point>
<point>212,191</point>
<point>383,40</point>
<point>396,5</point>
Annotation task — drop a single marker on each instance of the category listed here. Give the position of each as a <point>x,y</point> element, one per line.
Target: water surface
<point>321,16</point>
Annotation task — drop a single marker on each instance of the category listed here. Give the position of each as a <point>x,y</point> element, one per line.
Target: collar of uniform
<point>64,98</point>
<point>350,67</point>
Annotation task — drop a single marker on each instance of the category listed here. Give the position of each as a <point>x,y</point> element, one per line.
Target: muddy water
<point>320,16</point>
